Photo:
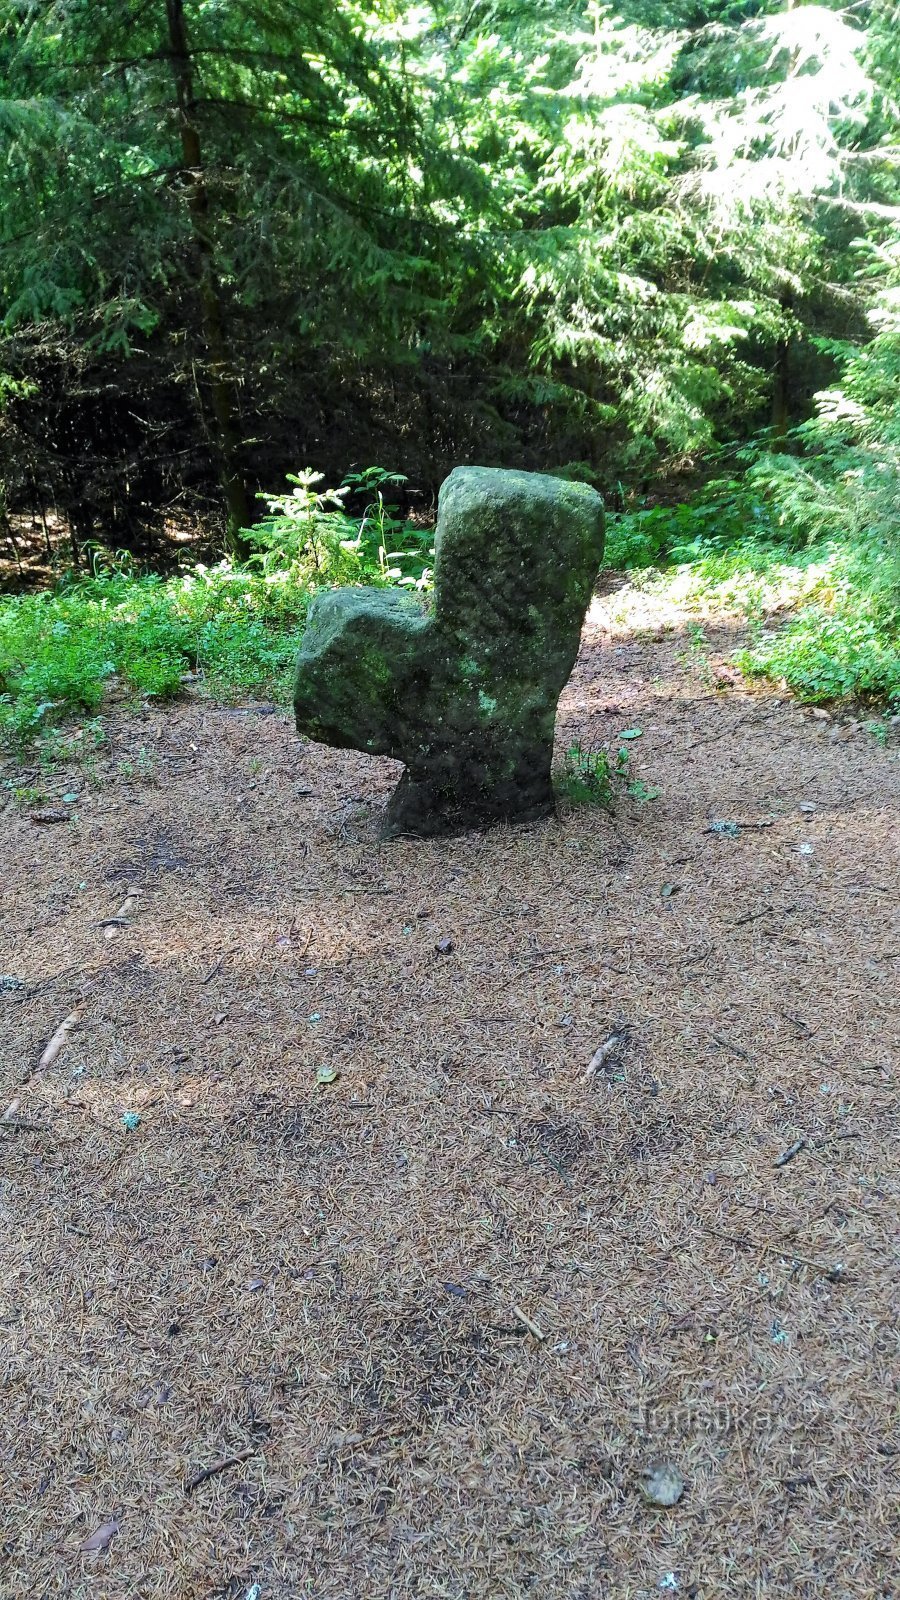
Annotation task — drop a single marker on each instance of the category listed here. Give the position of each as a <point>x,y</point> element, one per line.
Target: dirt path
<point>325,1281</point>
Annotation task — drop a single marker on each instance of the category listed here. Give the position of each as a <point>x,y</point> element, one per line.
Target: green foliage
<point>566,233</point>
<point>829,513</point>
<point>824,655</point>
<point>844,492</point>
<point>239,627</point>
<point>844,640</point>
<point>592,777</point>
<point>310,535</point>
<point>597,229</point>
<point>725,513</point>
<point>62,652</point>
<point>93,179</point>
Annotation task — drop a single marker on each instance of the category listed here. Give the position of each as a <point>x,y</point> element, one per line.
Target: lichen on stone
<point>516,555</point>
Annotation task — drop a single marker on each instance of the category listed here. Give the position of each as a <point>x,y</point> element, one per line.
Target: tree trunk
<point>781,395</point>
<point>222,398</point>
<point>781,384</point>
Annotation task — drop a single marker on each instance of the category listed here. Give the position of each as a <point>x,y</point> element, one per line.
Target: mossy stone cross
<point>465,695</point>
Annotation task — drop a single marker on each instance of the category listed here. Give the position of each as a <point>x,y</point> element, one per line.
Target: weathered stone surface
<point>465,695</point>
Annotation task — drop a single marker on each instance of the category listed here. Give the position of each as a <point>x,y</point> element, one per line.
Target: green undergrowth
<point>821,593</point>
<point>237,629</point>
<point>61,653</point>
<point>593,777</point>
<point>602,775</point>
<point>818,582</point>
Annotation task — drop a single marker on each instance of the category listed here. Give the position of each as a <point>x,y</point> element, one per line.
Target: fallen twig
<point>690,961</point>
<point>59,1040</point>
<point>601,1055</point>
<point>789,1154</point>
<point>111,925</point>
<point>527,1322</point>
<point>557,1167</point>
<point>833,1272</point>
<point>798,1023</point>
<point>727,1045</point>
<point>726,825</point>
<point>353,1442</point>
<point>221,1465</point>
<point>753,916</point>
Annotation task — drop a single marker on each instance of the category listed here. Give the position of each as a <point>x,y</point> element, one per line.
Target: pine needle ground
<point>280,1202</point>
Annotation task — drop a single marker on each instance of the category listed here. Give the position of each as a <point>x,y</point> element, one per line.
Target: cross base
<point>426,807</point>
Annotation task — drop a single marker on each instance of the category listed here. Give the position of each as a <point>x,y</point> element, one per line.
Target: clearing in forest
<point>317,1192</point>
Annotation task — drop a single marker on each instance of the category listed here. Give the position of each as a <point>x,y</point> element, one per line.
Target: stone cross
<point>464,694</point>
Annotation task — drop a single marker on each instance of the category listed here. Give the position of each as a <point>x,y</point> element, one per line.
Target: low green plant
<point>380,527</point>
<point>591,777</point>
<point>642,792</point>
<point>725,513</point>
<point>236,628</point>
<point>90,772</point>
<point>823,654</point>
<point>696,656</point>
<point>310,534</point>
<point>815,535</point>
<point>25,794</point>
<point>62,652</point>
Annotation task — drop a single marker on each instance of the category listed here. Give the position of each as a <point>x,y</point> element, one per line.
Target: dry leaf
<point>101,1537</point>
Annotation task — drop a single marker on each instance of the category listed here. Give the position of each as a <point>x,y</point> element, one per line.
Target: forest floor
<point>370,1245</point>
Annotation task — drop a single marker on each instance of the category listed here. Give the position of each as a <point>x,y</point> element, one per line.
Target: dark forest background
<point>654,246</point>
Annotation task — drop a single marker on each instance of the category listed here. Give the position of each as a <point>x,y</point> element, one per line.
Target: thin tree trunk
<point>223,402</point>
<point>780,395</point>
<point>781,385</point>
<point>7,525</point>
